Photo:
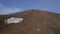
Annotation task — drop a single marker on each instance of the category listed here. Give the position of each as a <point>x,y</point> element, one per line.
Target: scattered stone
<point>38,29</point>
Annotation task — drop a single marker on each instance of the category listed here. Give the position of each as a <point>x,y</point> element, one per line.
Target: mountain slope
<point>35,22</point>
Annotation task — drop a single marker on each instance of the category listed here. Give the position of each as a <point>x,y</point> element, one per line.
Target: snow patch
<point>13,20</point>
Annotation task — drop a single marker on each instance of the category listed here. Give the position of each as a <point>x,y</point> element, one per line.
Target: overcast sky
<point>12,6</point>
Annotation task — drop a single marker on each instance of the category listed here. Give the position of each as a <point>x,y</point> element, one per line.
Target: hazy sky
<point>11,6</point>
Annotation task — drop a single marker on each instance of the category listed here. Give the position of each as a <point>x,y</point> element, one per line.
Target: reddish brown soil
<point>35,22</point>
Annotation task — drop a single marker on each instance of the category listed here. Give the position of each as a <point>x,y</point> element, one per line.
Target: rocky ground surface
<point>35,22</point>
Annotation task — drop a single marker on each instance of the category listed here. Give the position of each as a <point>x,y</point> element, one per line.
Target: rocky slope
<point>35,22</point>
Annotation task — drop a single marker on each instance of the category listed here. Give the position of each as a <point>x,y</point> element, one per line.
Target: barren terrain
<point>35,22</point>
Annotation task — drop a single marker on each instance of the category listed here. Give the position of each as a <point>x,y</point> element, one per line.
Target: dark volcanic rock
<point>35,22</point>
